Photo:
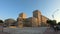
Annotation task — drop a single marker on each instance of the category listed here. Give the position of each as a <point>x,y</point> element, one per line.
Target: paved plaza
<point>29,30</point>
<point>4,33</point>
<point>51,31</point>
<point>25,30</point>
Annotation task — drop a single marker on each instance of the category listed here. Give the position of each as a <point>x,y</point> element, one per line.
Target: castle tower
<point>22,15</point>
<point>20,19</point>
<point>37,14</point>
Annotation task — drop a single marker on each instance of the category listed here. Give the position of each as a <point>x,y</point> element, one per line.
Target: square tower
<point>22,15</point>
<point>37,14</point>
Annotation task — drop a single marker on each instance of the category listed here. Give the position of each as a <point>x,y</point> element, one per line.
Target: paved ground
<point>4,33</point>
<point>26,30</point>
<point>29,30</point>
<point>51,31</point>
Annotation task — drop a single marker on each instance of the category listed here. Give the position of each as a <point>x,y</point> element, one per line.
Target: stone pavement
<point>51,31</point>
<point>26,30</point>
<point>4,33</point>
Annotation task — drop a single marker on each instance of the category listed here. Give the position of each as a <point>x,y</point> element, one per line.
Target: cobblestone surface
<point>4,33</point>
<point>51,31</point>
<point>25,30</point>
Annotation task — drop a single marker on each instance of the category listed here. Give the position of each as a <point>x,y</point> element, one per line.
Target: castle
<point>35,21</point>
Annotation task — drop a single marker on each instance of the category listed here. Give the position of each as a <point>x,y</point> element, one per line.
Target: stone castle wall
<point>35,21</point>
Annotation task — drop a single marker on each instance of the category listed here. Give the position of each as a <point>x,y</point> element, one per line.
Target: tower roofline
<point>36,11</point>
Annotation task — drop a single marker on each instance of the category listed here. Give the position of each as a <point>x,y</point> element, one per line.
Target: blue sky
<point>12,8</point>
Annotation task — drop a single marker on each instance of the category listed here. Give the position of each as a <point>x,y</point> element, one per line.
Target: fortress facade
<point>35,21</point>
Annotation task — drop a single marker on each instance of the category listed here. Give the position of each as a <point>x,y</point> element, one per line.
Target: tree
<point>58,23</point>
<point>51,22</point>
<point>10,22</point>
<point>1,24</point>
<point>54,22</point>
